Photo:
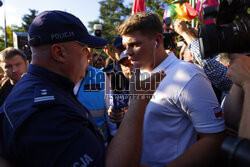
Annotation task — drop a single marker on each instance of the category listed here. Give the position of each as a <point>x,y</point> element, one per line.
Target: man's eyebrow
<point>133,43</point>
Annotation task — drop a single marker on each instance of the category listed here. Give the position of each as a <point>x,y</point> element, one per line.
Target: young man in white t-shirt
<point>183,107</point>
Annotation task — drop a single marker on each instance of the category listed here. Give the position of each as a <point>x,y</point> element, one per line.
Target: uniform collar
<point>50,76</point>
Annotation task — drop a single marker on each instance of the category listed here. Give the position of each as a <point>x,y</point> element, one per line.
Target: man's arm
<point>125,148</point>
<point>233,107</point>
<point>215,71</point>
<point>239,73</point>
<point>107,50</point>
<point>181,28</point>
<point>200,153</point>
<point>244,130</point>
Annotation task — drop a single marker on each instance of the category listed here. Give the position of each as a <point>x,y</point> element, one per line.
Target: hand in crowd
<point>180,26</point>
<point>107,50</point>
<point>239,70</point>
<point>132,124</point>
<point>189,34</point>
<point>116,115</point>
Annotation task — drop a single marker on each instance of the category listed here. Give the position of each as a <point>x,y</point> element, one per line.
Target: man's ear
<point>159,38</point>
<point>58,53</point>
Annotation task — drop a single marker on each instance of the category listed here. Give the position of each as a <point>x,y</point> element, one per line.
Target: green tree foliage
<point>2,46</point>
<point>112,14</point>
<point>28,18</point>
<point>9,30</point>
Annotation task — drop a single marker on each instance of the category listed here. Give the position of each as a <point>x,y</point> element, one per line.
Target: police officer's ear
<point>57,53</point>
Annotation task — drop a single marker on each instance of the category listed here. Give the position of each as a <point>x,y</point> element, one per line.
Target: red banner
<point>138,6</point>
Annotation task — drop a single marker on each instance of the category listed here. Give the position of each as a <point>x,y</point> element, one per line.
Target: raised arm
<point>215,71</point>
<point>107,50</point>
<point>125,148</point>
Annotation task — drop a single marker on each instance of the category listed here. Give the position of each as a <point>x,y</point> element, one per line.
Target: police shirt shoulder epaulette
<point>43,95</point>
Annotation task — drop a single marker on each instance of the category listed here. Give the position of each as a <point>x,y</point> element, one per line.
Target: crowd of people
<point>144,106</point>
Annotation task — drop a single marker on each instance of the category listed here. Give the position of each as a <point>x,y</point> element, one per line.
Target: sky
<point>85,10</point>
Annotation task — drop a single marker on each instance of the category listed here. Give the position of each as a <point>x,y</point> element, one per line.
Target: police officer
<point>42,124</point>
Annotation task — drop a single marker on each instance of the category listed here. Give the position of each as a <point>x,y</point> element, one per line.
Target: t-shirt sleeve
<point>58,138</point>
<point>199,102</point>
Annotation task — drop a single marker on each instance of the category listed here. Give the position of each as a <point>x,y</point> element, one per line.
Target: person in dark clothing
<point>14,63</point>
<point>5,90</point>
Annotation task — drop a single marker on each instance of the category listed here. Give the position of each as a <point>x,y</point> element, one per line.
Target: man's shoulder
<point>184,69</point>
<point>28,95</point>
<point>187,65</point>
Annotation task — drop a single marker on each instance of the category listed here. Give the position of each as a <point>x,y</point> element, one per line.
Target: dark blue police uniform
<point>43,124</point>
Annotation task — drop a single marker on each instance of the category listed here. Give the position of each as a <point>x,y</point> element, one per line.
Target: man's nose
<point>14,69</point>
<point>128,51</point>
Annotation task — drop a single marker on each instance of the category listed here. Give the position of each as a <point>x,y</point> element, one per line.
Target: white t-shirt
<point>183,105</point>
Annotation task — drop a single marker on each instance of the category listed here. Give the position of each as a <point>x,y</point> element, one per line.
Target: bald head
<point>40,54</point>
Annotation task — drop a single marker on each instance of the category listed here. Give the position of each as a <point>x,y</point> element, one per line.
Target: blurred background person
<point>14,63</point>
<point>98,60</point>
<point>116,115</point>
<point>126,65</point>
<point>119,81</point>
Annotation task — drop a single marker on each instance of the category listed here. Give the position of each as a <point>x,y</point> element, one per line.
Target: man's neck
<point>158,60</point>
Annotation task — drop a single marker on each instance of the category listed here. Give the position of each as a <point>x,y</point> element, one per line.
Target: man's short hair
<point>145,22</point>
<point>11,52</point>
